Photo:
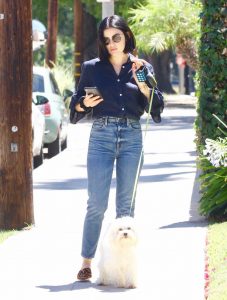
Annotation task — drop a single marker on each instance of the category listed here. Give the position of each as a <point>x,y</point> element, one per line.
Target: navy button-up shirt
<point>121,95</point>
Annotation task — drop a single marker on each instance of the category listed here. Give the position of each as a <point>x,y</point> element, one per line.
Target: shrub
<point>213,202</point>
<point>213,70</point>
<point>212,100</point>
<point>64,77</point>
<point>64,55</point>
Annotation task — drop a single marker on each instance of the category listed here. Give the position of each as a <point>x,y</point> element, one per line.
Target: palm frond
<point>161,41</point>
<point>165,23</point>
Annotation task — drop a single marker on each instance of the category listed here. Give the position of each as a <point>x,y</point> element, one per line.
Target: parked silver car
<point>54,110</point>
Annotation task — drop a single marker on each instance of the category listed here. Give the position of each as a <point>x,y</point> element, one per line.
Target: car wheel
<point>38,159</point>
<point>54,148</point>
<point>64,144</point>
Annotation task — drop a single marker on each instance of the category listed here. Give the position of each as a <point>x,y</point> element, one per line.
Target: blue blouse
<point>121,95</point>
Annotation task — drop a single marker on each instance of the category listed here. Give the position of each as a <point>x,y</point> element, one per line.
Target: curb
<point>184,101</point>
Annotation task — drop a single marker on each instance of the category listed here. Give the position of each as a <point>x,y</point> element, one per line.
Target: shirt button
<point>122,108</point>
<point>118,80</point>
<point>120,94</point>
<point>123,67</point>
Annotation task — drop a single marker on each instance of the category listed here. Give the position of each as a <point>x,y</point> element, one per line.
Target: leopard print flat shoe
<point>84,274</point>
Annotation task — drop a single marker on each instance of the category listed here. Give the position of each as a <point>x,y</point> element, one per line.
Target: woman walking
<point>116,131</point>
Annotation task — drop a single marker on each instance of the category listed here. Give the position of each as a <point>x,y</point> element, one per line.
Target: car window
<point>38,83</point>
<point>54,86</point>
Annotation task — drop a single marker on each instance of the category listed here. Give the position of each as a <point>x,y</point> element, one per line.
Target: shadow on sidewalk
<point>80,285</point>
<point>171,123</point>
<point>81,184</point>
<point>196,220</point>
<point>185,224</point>
<point>70,184</point>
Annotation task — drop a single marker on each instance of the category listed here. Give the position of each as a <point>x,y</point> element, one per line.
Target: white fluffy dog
<point>118,259</point>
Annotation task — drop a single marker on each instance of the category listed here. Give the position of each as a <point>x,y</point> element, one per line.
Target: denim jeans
<point>111,139</point>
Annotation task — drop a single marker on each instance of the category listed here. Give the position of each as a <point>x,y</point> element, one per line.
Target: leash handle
<point>142,151</point>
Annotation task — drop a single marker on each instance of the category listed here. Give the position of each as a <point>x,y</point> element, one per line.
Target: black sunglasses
<point>116,38</point>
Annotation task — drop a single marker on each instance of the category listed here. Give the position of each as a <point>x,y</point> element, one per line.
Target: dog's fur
<point>118,262</point>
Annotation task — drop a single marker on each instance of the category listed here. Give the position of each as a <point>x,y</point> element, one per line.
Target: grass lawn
<point>5,234</point>
<point>217,262</point>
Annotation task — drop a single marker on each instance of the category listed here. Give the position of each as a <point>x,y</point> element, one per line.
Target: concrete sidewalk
<point>42,263</point>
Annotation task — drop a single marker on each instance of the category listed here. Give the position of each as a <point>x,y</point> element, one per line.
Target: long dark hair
<point>119,23</point>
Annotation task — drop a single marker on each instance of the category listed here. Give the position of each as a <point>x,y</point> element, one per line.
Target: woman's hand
<point>137,63</point>
<point>89,101</point>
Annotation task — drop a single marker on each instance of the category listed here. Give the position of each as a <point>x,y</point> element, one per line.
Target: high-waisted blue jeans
<point>111,139</point>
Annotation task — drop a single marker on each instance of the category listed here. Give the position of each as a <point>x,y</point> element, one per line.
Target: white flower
<point>216,151</point>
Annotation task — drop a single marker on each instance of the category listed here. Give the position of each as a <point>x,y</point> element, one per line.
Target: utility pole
<point>107,8</point>
<point>52,28</point>
<point>16,197</point>
<point>78,37</point>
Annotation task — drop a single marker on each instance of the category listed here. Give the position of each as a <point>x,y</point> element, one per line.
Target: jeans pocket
<point>98,123</point>
<point>135,124</point>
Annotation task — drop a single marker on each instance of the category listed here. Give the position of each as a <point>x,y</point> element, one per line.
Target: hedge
<point>212,96</point>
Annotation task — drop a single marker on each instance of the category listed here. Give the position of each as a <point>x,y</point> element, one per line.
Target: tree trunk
<point>90,49</point>
<point>161,65</point>
<point>52,32</point>
<point>78,36</point>
<point>16,203</point>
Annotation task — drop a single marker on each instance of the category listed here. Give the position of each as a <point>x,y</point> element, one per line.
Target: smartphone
<point>92,90</point>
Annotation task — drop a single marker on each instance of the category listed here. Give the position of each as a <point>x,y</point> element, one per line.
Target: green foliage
<point>217,261</point>
<point>65,44</point>
<point>64,77</point>
<point>120,7</point>
<point>213,203</point>
<point>160,24</point>
<point>39,57</point>
<point>212,109</point>
<point>94,8</point>
<point>40,10</point>
<point>65,48</point>
<point>65,15</point>
<point>213,71</point>
<point>66,18</point>
<point>6,234</point>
